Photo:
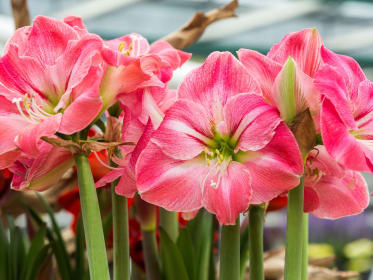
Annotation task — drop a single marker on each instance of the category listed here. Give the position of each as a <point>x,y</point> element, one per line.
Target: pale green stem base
<point>169,222</point>
<point>305,248</point>
<point>294,233</point>
<point>96,250</point>
<point>230,252</point>
<point>256,221</point>
<point>151,255</point>
<point>121,258</point>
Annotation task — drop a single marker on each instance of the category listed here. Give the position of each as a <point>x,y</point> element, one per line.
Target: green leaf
<point>172,260</point>
<point>40,257</point>
<point>244,250</point>
<point>201,231</point>
<point>58,245</point>
<point>36,245</point>
<point>188,252</point>
<point>4,251</point>
<point>79,251</point>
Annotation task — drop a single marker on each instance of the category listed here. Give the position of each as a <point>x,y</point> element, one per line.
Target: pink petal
<point>169,55</point>
<point>212,82</point>
<point>231,195</point>
<point>127,184</point>
<point>303,46</point>
<point>87,106</point>
<point>363,103</point>
<point>341,196</point>
<point>44,171</point>
<point>29,140</point>
<point>332,85</point>
<point>109,177</point>
<point>346,67</point>
<point>11,126</point>
<point>276,168</point>
<point>172,184</point>
<point>311,199</point>
<point>263,69</point>
<point>184,130</point>
<point>340,143</point>
<point>251,121</point>
<point>7,158</point>
<point>48,39</point>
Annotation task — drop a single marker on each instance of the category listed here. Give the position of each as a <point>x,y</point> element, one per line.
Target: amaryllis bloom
<point>135,68</point>
<point>220,146</point>
<point>330,190</point>
<point>41,172</point>
<point>347,111</point>
<point>49,74</point>
<point>285,73</point>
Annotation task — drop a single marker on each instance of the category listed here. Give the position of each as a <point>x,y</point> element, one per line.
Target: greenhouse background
<point>346,27</point>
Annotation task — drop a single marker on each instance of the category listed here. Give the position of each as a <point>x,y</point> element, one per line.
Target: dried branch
<point>193,30</point>
<point>21,13</point>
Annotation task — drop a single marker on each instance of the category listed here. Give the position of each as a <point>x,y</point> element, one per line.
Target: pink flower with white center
<point>50,76</point>
<point>285,73</point>
<point>346,112</point>
<point>137,71</point>
<point>220,146</point>
<point>331,191</point>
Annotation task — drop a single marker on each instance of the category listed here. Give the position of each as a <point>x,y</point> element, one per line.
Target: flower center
<point>31,111</point>
<point>220,150</point>
<point>122,48</point>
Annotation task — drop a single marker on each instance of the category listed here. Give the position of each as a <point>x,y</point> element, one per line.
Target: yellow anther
<point>121,46</point>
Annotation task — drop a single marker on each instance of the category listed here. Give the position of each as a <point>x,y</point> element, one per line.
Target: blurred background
<point>345,25</point>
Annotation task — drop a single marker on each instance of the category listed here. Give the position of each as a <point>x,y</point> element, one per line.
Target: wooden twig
<point>193,29</point>
<point>21,14</point>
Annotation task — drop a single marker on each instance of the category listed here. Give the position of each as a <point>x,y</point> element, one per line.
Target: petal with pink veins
<point>172,184</point>
<point>303,46</point>
<point>276,168</point>
<point>263,69</point>
<point>231,194</point>
<point>212,83</point>
<point>185,130</point>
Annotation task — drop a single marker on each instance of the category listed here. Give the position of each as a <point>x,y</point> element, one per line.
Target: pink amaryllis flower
<point>220,146</point>
<point>346,112</point>
<point>330,190</point>
<point>285,73</point>
<point>137,71</point>
<point>41,172</point>
<point>51,73</point>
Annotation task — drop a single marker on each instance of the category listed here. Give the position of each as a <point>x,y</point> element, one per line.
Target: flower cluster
<point>222,141</point>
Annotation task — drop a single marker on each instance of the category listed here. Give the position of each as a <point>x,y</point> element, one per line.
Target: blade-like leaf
<point>201,231</point>
<point>244,250</point>
<point>36,245</point>
<point>188,252</point>
<point>58,245</point>
<point>38,261</point>
<point>172,261</point>
<point>4,251</point>
<point>79,251</point>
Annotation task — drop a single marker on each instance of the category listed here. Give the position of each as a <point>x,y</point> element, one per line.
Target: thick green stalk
<point>96,250</point>
<point>230,252</point>
<point>256,221</point>
<point>169,222</point>
<point>294,233</point>
<point>147,216</point>
<point>121,258</point>
<point>305,247</point>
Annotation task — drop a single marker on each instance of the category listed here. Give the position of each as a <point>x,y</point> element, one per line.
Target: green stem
<point>294,234</point>
<point>256,221</point>
<point>121,258</point>
<point>151,256</point>
<point>305,248</point>
<point>96,250</point>
<point>169,222</point>
<point>230,252</point>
